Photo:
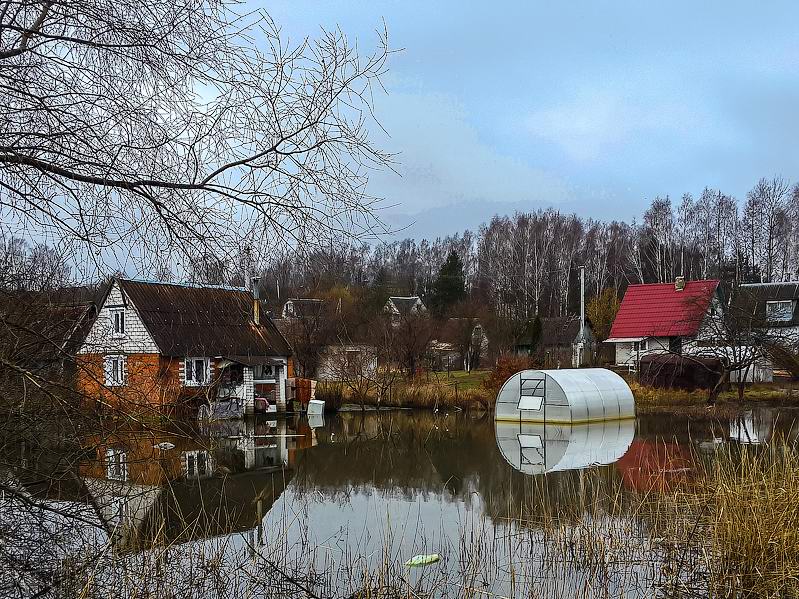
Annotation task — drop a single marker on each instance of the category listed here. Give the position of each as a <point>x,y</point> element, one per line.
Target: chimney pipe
<point>256,300</point>
<point>679,284</point>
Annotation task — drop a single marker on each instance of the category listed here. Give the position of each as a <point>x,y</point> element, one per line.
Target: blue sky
<point>592,107</point>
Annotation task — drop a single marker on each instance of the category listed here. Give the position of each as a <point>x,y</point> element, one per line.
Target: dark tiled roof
<point>659,310</point>
<point>189,320</point>
<point>559,330</point>
<point>36,332</point>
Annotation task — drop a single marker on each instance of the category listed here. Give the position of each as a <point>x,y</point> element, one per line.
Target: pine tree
<point>449,288</point>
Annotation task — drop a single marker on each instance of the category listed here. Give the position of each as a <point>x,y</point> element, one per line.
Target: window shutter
<point>189,371</point>
<point>108,365</point>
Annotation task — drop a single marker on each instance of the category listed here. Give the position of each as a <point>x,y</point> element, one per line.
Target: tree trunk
<point>716,390</point>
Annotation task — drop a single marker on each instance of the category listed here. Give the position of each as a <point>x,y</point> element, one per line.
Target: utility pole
<point>581,336</point>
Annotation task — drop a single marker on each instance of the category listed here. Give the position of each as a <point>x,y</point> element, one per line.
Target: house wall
<point>152,382</point>
<point>626,355</point>
<point>100,338</point>
<point>331,361</point>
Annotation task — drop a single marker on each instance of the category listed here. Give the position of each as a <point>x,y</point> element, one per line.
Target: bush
<point>507,366</point>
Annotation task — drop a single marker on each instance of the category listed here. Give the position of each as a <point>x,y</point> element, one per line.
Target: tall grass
<point>409,394</point>
<point>754,522</point>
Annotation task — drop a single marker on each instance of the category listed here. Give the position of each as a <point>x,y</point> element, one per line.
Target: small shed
<point>536,448</point>
<point>568,396</point>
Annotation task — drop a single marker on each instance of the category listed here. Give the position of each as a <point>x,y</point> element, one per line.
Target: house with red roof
<point>663,318</point>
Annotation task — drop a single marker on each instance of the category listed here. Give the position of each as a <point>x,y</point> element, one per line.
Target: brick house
<point>163,346</point>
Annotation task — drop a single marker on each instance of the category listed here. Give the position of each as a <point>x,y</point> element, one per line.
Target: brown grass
<point>405,394</point>
<point>741,523</point>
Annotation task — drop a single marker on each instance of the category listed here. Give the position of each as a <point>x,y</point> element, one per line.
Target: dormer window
<point>118,322</point>
<point>779,311</point>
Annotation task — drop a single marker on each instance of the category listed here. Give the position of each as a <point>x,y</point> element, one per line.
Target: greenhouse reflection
<point>536,448</point>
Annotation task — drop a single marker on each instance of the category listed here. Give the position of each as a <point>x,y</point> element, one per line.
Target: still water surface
<point>346,494</point>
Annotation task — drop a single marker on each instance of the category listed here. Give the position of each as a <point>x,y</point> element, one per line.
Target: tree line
<point>527,264</point>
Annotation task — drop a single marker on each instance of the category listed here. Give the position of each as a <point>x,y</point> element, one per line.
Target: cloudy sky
<point>592,107</point>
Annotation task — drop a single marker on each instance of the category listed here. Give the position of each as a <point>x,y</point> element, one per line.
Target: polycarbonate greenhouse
<point>568,396</point>
<point>536,448</point>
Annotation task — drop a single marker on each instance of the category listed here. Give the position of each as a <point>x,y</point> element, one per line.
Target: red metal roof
<point>659,310</point>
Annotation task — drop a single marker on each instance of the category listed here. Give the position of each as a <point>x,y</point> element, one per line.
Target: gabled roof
<point>302,307</point>
<point>186,320</point>
<point>561,330</point>
<point>659,310</point>
<point>404,305</point>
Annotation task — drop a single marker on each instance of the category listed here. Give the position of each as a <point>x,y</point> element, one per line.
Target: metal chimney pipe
<point>256,300</point>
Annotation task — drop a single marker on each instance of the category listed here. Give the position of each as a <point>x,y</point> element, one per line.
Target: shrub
<point>507,365</point>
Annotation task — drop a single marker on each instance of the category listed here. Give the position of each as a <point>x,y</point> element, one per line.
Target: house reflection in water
<point>159,489</point>
<point>537,448</point>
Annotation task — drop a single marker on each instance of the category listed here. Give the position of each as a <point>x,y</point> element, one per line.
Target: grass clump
<point>755,522</point>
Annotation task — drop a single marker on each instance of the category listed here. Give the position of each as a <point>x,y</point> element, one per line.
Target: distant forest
<point>526,264</point>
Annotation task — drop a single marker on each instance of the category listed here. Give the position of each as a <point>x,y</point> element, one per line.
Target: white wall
<point>331,361</point>
<point>626,355</point>
<point>101,339</point>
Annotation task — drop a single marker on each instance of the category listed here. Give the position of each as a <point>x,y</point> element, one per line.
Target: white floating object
<point>316,406</point>
<point>164,445</point>
<point>423,560</point>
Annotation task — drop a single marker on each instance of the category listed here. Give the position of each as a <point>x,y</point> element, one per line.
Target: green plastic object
<point>423,560</point>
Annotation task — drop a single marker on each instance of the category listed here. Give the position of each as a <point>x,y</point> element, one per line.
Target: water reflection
<point>540,447</point>
<point>150,489</point>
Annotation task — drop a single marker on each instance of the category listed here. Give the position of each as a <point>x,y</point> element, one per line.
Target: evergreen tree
<point>449,288</point>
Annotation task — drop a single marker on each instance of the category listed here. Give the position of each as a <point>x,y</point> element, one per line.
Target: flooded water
<point>337,504</point>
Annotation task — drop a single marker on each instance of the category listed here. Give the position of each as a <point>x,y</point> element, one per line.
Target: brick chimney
<point>256,300</point>
<point>679,284</point>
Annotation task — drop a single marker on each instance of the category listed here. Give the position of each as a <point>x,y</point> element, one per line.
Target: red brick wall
<point>153,382</point>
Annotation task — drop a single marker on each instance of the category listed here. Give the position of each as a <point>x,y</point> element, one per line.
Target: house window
<point>197,464</point>
<point>263,372</point>
<point>116,464</point>
<point>115,371</point>
<point>118,322</point>
<point>197,371</point>
<point>779,311</point>
<point>641,345</point>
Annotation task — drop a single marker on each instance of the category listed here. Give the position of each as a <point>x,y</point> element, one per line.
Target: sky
<point>588,107</point>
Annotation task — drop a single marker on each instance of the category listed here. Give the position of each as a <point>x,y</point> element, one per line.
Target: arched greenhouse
<point>569,396</point>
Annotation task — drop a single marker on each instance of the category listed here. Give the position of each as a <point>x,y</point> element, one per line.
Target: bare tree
<point>158,126</point>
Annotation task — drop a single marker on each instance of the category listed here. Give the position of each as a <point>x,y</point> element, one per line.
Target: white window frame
<point>781,310</point>
<point>115,368</point>
<point>189,371</point>
<point>116,458</point>
<point>117,317</point>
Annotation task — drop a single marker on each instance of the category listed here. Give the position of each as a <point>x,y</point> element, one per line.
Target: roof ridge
<point>671,283</point>
<point>187,285</point>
